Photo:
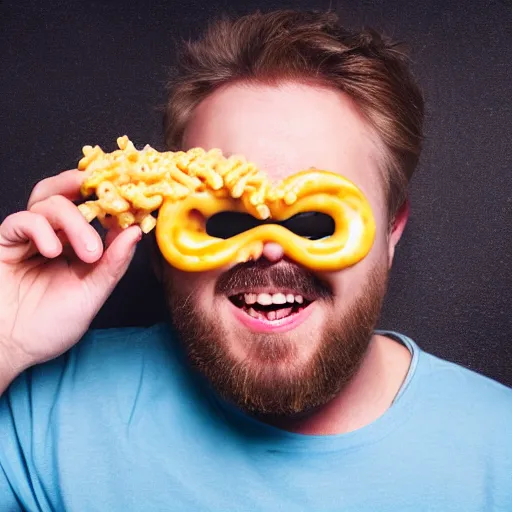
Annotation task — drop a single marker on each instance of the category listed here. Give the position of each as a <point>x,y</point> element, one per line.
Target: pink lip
<point>282,325</point>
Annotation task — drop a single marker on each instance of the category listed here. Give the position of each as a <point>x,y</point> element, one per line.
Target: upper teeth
<point>265,299</point>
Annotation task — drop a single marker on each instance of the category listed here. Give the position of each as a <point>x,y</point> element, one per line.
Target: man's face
<point>284,359</point>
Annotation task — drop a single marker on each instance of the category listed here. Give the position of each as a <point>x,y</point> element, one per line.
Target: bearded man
<point>269,388</point>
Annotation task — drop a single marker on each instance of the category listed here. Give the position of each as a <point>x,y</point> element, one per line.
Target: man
<point>213,410</point>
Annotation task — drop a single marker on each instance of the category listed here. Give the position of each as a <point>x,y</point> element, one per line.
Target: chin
<point>273,340</point>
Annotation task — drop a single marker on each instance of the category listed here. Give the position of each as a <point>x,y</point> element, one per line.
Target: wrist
<point>10,366</point>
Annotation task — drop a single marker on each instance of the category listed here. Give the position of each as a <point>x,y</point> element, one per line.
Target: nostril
<point>272,251</point>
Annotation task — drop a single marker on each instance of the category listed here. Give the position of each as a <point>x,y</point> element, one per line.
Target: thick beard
<point>258,386</point>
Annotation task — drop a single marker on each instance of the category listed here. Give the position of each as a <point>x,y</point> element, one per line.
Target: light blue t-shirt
<point>120,423</point>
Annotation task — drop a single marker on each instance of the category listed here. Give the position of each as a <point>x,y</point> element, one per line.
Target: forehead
<point>289,127</point>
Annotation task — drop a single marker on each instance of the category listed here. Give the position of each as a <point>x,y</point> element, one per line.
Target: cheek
<point>195,286</point>
<point>378,203</point>
<point>380,250</point>
<point>347,284</point>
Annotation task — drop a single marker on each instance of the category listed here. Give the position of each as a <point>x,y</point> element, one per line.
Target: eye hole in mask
<point>311,225</point>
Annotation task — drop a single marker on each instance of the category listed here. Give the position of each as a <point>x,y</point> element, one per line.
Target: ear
<point>396,228</point>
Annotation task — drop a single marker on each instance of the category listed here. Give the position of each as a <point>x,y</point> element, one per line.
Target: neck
<point>365,398</point>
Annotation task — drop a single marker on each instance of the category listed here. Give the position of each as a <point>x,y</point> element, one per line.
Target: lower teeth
<point>276,314</point>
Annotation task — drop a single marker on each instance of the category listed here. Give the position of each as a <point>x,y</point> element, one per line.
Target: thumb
<point>115,260</point>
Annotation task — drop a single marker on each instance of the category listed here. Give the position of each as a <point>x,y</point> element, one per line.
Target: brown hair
<point>298,45</point>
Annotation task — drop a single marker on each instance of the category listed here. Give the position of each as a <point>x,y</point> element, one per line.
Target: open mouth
<point>270,307</point>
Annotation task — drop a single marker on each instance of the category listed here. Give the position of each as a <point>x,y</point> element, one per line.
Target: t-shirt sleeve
<point>16,491</point>
<point>25,412</point>
<point>8,498</point>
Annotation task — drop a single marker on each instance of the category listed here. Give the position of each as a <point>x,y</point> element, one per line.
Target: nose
<point>273,252</point>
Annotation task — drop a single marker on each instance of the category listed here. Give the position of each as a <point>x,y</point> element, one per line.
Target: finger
<point>115,260</point>
<point>66,184</point>
<point>64,215</point>
<point>112,234</point>
<point>67,249</point>
<point>23,234</point>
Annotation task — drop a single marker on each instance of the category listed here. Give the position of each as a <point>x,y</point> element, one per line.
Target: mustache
<point>265,274</point>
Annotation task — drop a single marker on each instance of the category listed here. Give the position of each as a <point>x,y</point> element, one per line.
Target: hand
<point>55,274</point>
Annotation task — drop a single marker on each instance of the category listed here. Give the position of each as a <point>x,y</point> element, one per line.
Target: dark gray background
<point>75,73</point>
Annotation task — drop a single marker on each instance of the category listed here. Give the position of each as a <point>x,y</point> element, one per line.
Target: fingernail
<point>91,245</point>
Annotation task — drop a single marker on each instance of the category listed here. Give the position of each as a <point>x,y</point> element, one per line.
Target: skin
<point>284,129</point>
<point>55,271</point>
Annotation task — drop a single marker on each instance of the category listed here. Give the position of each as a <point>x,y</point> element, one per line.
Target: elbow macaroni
<point>188,187</point>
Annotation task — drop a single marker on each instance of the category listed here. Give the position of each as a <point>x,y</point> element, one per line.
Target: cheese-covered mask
<point>215,211</point>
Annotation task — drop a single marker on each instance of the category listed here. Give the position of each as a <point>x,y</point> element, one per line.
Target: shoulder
<point>102,359</point>
<point>103,378</point>
<point>116,347</point>
<point>459,381</point>
<point>457,401</point>
<point>123,343</point>
<point>123,336</point>
<point>479,405</point>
